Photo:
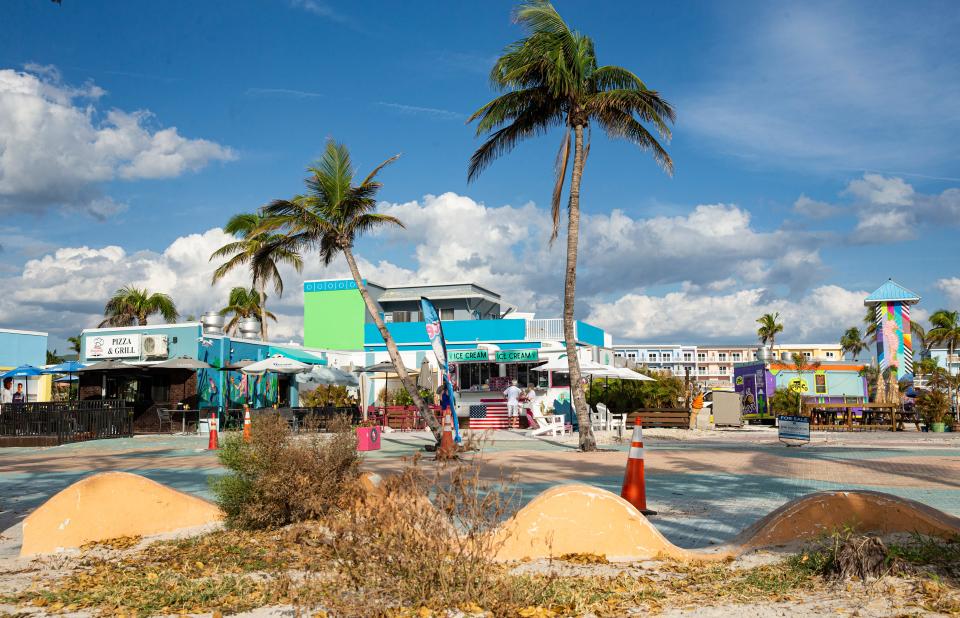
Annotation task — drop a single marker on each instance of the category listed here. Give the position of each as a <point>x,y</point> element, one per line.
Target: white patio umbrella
<point>624,373</point>
<point>276,364</point>
<point>560,364</point>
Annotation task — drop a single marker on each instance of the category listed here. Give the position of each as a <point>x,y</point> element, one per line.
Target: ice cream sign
<point>114,346</point>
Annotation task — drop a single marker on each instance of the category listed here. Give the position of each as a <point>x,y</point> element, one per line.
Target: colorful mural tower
<point>891,304</point>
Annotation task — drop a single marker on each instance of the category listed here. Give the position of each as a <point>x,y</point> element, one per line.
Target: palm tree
<point>802,365</point>
<point>769,327</point>
<point>852,343</point>
<point>75,344</point>
<point>945,331</point>
<point>329,217</point>
<point>244,303</point>
<point>551,79</point>
<point>248,250</point>
<point>131,305</point>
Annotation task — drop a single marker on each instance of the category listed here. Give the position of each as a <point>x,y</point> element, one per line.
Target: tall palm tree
<point>945,331</point>
<point>852,342</point>
<point>769,327</point>
<point>329,217</point>
<point>549,79</point>
<point>75,344</point>
<point>248,251</point>
<point>131,305</point>
<point>244,303</point>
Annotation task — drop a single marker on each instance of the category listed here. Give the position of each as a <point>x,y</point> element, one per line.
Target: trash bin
<point>368,438</point>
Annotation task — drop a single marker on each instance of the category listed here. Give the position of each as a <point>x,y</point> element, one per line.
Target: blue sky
<point>815,150</point>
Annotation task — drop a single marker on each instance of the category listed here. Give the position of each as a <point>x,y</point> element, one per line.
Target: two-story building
<point>489,343</point>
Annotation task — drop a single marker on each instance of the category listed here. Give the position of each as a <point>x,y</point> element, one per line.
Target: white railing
<point>550,329</point>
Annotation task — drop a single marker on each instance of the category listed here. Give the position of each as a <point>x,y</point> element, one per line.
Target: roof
<point>13,331</point>
<point>891,290</point>
<point>438,292</point>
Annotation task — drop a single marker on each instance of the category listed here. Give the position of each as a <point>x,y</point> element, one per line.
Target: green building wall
<point>333,315</point>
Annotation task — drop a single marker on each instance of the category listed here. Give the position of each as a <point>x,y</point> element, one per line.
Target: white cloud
<point>881,190</point>
<point>55,150</point>
<point>951,288</point>
<point>888,209</point>
<point>819,315</point>
<point>814,209</point>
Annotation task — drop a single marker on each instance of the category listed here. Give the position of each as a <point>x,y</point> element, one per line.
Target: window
<point>701,356</point>
<point>652,356</point>
<point>722,356</point>
<point>618,354</point>
<point>401,316</point>
<point>808,355</point>
<point>829,354</point>
<point>723,369</point>
<point>702,371</point>
<point>736,356</point>
<point>476,374</point>
<point>820,382</point>
<point>687,356</point>
<point>632,355</point>
<point>560,379</point>
<point>446,314</point>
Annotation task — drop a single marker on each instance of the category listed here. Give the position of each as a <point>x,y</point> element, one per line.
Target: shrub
<point>280,478</point>
<point>784,402</point>
<point>409,550</point>
<point>327,394</point>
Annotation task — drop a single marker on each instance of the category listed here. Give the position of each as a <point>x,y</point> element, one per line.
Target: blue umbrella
<point>23,371</point>
<point>68,367</point>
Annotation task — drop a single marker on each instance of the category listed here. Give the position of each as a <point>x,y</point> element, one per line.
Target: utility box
<point>726,408</point>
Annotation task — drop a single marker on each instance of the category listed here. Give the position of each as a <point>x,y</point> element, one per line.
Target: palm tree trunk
<point>263,311</point>
<point>587,440</point>
<point>426,413</point>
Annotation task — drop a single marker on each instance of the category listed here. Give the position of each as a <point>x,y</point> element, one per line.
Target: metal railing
<point>548,329</point>
<point>55,423</point>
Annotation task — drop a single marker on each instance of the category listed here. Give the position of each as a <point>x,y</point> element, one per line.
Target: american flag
<point>491,414</point>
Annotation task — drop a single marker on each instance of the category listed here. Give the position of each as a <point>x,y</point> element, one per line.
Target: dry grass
<point>279,478</point>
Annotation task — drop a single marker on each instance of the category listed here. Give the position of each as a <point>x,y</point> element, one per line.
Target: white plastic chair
<point>598,420</point>
<point>551,424</point>
<point>617,422</point>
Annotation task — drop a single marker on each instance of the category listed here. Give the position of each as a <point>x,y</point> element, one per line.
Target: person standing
<point>19,397</point>
<point>513,399</point>
<point>6,394</point>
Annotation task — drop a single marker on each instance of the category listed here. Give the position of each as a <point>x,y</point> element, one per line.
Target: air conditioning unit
<point>155,346</point>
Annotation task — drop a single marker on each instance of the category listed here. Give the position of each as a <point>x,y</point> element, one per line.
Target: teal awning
<point>304,356</point>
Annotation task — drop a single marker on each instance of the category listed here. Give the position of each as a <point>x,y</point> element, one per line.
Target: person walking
<point>513,399</point>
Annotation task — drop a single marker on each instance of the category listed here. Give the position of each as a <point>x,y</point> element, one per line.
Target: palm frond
<point>646,104</point>
<point>620,124</point>
<point>563,159</point>
<point>609,77</point>
<point>534,121</point>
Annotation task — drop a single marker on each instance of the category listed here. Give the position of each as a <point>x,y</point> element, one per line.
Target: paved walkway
<point>706,487</point>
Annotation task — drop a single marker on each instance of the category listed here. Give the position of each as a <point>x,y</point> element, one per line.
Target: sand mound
<point>110,505</point>
<point>576,519</point>
<point>809,517</point>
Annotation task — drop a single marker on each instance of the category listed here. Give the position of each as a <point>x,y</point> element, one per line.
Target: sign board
<point>793,428</point>
<point>517,356</point>
<point>114,346</point>
<point>464,356</point>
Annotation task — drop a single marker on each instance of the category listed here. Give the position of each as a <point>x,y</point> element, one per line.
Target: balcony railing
<point>550,329</point>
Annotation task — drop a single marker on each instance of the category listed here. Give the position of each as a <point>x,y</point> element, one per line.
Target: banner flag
<point>439,345</point>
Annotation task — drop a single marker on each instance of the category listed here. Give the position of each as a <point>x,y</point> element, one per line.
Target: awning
<point>304,356</point>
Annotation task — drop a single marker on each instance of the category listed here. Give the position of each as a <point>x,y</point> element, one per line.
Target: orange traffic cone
<point>246,423</point>
<point>447,449</point>
<point>212,445</point>
<point>634,485</point>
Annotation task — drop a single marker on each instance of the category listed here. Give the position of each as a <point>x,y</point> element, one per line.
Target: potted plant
<point>933,402</point>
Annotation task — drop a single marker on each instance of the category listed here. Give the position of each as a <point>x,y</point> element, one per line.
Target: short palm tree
<point>244,303</point>
<point>870,323</point>
<point>329,217</point>
<point>131,306</point>
<point>770,326</point>
<point>550,79</point>
<point>248,251</point>
<point>803,365</point>
<point>75,344</point>
<point>852,342</point>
